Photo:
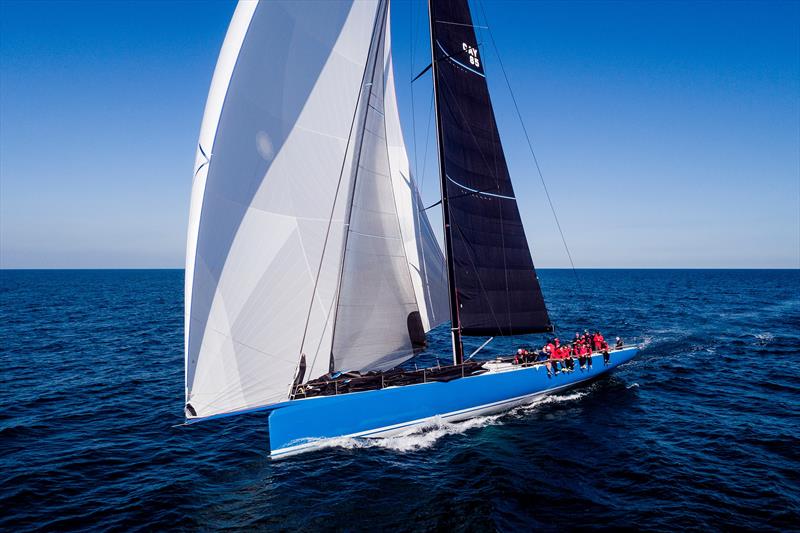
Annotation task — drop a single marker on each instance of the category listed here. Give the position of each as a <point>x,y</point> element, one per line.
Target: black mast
<point>455,324</point>
<point>493,286</point>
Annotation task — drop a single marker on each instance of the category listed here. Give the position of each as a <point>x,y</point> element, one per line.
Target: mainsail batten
<point>494,288</point>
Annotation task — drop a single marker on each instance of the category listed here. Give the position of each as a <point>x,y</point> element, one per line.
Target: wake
<point>423,437</point>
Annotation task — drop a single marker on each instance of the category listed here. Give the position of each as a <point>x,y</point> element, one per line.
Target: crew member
<point>567,358</point>
<point>581,353</point>
<point>587,339</point>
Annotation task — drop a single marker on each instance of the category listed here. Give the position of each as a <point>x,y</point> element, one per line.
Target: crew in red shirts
<point>558,356</point>
<point>567,358</point>
<point>582,353</point>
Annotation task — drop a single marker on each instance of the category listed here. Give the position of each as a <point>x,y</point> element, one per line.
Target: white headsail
<point>377,311</point>
<point>425,258</point>
<point>280,148</point>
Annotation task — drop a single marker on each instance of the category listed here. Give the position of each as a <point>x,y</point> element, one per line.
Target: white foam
<point>764,338</point>
<point>632,385</point>
<point>423,437</point>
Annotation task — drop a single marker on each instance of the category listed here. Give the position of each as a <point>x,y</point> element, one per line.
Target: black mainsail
<point>494,290</point>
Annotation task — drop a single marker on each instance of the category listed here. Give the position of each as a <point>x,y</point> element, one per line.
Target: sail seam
<point>376,236</point>
<point>460,24</point>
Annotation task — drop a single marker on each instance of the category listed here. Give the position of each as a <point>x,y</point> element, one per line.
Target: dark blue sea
<point>701,431</point>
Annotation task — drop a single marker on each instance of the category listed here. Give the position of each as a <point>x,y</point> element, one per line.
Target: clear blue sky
<point>668,133</point>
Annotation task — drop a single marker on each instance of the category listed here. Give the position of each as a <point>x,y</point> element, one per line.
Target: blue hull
<point>305,424</point>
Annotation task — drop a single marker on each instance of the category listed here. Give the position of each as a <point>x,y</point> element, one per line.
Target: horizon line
<point>537,268</point>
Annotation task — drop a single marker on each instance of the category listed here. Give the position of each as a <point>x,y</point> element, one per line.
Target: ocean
<point>701,431</point>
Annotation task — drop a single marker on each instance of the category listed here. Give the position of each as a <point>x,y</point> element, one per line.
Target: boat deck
<point>356,382</point>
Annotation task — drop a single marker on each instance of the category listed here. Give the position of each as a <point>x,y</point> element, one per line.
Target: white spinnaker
<point>208,129</point>
<point>425,258</point>
<point>377,306</point>
<point>265,198</point>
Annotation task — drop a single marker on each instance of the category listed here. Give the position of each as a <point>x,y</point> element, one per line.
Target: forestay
<point>273,188</point>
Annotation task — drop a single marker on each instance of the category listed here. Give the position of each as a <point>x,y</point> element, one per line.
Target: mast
<point>455,323</point>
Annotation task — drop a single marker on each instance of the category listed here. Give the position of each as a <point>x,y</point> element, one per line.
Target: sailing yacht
<point>312,271</point>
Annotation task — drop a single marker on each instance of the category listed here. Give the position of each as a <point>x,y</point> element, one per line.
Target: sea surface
<point>701,431</point>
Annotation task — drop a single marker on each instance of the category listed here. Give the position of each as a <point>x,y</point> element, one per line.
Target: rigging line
<point>481,347</point>
<point>421,177</point>
<point>396,212</point>
<point>496,135</point>
<point>415,191</point>
<point>427,143</point>
<point>415,202</point>
<point>418,76</point>
<point>530,147</point>
<point>422,184</point>
<point>459,24</point>
<point>412,38</point>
